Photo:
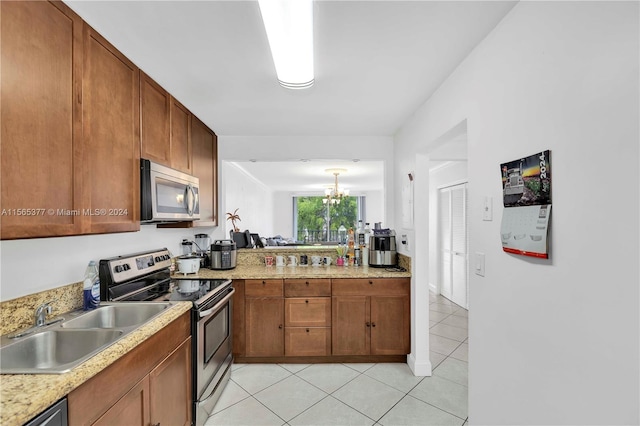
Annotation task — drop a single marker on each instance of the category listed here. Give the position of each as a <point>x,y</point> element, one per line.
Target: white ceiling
<point>376,62</point>
<point>311,176</point>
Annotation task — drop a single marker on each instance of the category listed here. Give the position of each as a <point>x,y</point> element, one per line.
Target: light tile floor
<point>357,394</point>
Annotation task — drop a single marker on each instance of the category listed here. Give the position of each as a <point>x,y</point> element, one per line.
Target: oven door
<point>213,343</point>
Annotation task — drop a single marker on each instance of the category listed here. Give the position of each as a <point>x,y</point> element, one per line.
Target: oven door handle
<point>218,305</point>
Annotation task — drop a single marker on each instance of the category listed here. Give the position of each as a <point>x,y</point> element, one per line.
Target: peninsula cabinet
<point>70,126</point>
<point>324,320</point>
<point>264,318</point>
<point>307,317</point>
<point>371,316</point>
<point>149,385</point>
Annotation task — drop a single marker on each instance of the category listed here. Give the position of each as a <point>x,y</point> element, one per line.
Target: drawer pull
<point>306,301</point>
<point>307,282</point>
<point>373,324</point>
<point>368,324</point>
<point>307,330</point>
<point>264,282</point>
<point>370,282</point>
<point>280,326</point>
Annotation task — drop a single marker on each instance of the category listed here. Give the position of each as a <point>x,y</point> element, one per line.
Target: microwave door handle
<point>189,199</point>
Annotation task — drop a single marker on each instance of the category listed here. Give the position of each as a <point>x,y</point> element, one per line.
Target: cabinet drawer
<point>307,341</point>
<point>263,288</point>
<point>311,312</point>
<point>307,287</point>
<point>371,286</point>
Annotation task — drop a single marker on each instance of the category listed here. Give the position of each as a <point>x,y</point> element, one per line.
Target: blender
<point>203,242</point>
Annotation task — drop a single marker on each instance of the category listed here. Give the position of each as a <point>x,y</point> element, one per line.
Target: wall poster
<point>526,193</point>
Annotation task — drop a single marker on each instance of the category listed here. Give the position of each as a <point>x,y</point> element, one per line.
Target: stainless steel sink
<point>127,314</point>
<point>54,351</point>
<point>61,346</point>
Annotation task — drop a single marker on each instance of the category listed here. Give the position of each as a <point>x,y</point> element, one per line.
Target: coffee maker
<point>382,248</point>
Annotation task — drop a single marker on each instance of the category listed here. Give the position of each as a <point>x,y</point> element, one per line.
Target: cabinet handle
<point>306,301</point>
<point>371,282</point>
<point>280,326</point>
<point>373,324</point>
<point>263,282</point>
<point>156,424</point>
<point>307,282</point>
<point>307,330</point>
<point>368,324</point>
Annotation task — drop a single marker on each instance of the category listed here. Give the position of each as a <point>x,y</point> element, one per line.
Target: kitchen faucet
<point>41,314</point>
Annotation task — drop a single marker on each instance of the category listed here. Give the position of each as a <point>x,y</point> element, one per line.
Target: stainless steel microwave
<point>167,195</point>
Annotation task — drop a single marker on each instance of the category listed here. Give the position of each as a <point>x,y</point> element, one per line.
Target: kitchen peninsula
<point>304,314</point>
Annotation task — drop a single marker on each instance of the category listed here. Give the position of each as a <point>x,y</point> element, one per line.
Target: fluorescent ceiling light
<point>289,26</point>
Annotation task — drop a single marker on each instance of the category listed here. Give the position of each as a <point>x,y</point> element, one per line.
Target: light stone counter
<point>268,272</point>
<point>23,396</point>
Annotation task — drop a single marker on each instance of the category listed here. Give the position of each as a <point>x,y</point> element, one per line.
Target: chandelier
<point>335,194</point>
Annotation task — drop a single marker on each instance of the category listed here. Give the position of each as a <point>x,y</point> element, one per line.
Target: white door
<point>452,232</point>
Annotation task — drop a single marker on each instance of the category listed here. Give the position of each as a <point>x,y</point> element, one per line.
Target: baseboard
<point>419,368</point>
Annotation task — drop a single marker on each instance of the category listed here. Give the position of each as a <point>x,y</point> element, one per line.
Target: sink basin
<point>54,351</point>
<point>61,346</point>
<point>122,315</point>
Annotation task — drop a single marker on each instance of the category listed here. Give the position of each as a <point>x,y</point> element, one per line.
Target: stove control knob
<point>119,268</point>
<point>158,259</point>
<point>126,267</point>
<point>166,257</point>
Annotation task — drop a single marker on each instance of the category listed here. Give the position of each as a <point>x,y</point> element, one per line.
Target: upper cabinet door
<point>181,158</point>
<point>205,168</point>
<point>155,109</point>
<point>41,150</point>
<point>111,112</point>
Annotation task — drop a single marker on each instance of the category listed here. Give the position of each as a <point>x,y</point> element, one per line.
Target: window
<point>312,218</point>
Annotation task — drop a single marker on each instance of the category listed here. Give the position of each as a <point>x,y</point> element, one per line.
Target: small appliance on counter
<point>203,242</point>
<point>223,254</point>
<point>382,248</point>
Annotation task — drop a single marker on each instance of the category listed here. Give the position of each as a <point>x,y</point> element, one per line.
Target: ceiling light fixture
<point>289,26</point>
<point>335,194</point>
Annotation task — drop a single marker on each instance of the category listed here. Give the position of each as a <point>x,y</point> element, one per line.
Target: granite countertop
<point>23,396</point>
<point>266,272</point>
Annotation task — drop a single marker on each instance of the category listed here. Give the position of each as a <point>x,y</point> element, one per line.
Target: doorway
<point>453,243</point>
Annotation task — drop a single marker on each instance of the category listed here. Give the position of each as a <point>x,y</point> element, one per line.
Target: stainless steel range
<point>146,277</point>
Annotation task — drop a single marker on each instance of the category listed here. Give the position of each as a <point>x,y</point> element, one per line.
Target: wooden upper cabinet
<point>205,167</point>
<point>166,127</point>
<point>181,156</point>
<point>156,111</point>
<point>41,77</point>
<point>111,117</point>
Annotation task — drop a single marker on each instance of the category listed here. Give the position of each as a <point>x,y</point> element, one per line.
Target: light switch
<point>479,264</point>
<point>487,209</point>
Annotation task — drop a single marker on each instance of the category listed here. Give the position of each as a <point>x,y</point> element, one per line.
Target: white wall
<point>33,265</point>
<point>550,341</point>
<point>252,198</point>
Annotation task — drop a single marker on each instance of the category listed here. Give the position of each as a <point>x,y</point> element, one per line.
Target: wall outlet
<point>405,241</point>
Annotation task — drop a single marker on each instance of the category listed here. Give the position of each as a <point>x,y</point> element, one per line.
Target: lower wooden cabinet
<point>132,409</point>
<point>264,317</point>
<point>371,317</point>
<point>323,318</point>
<point>149,385</point>
<point>170,388</point>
